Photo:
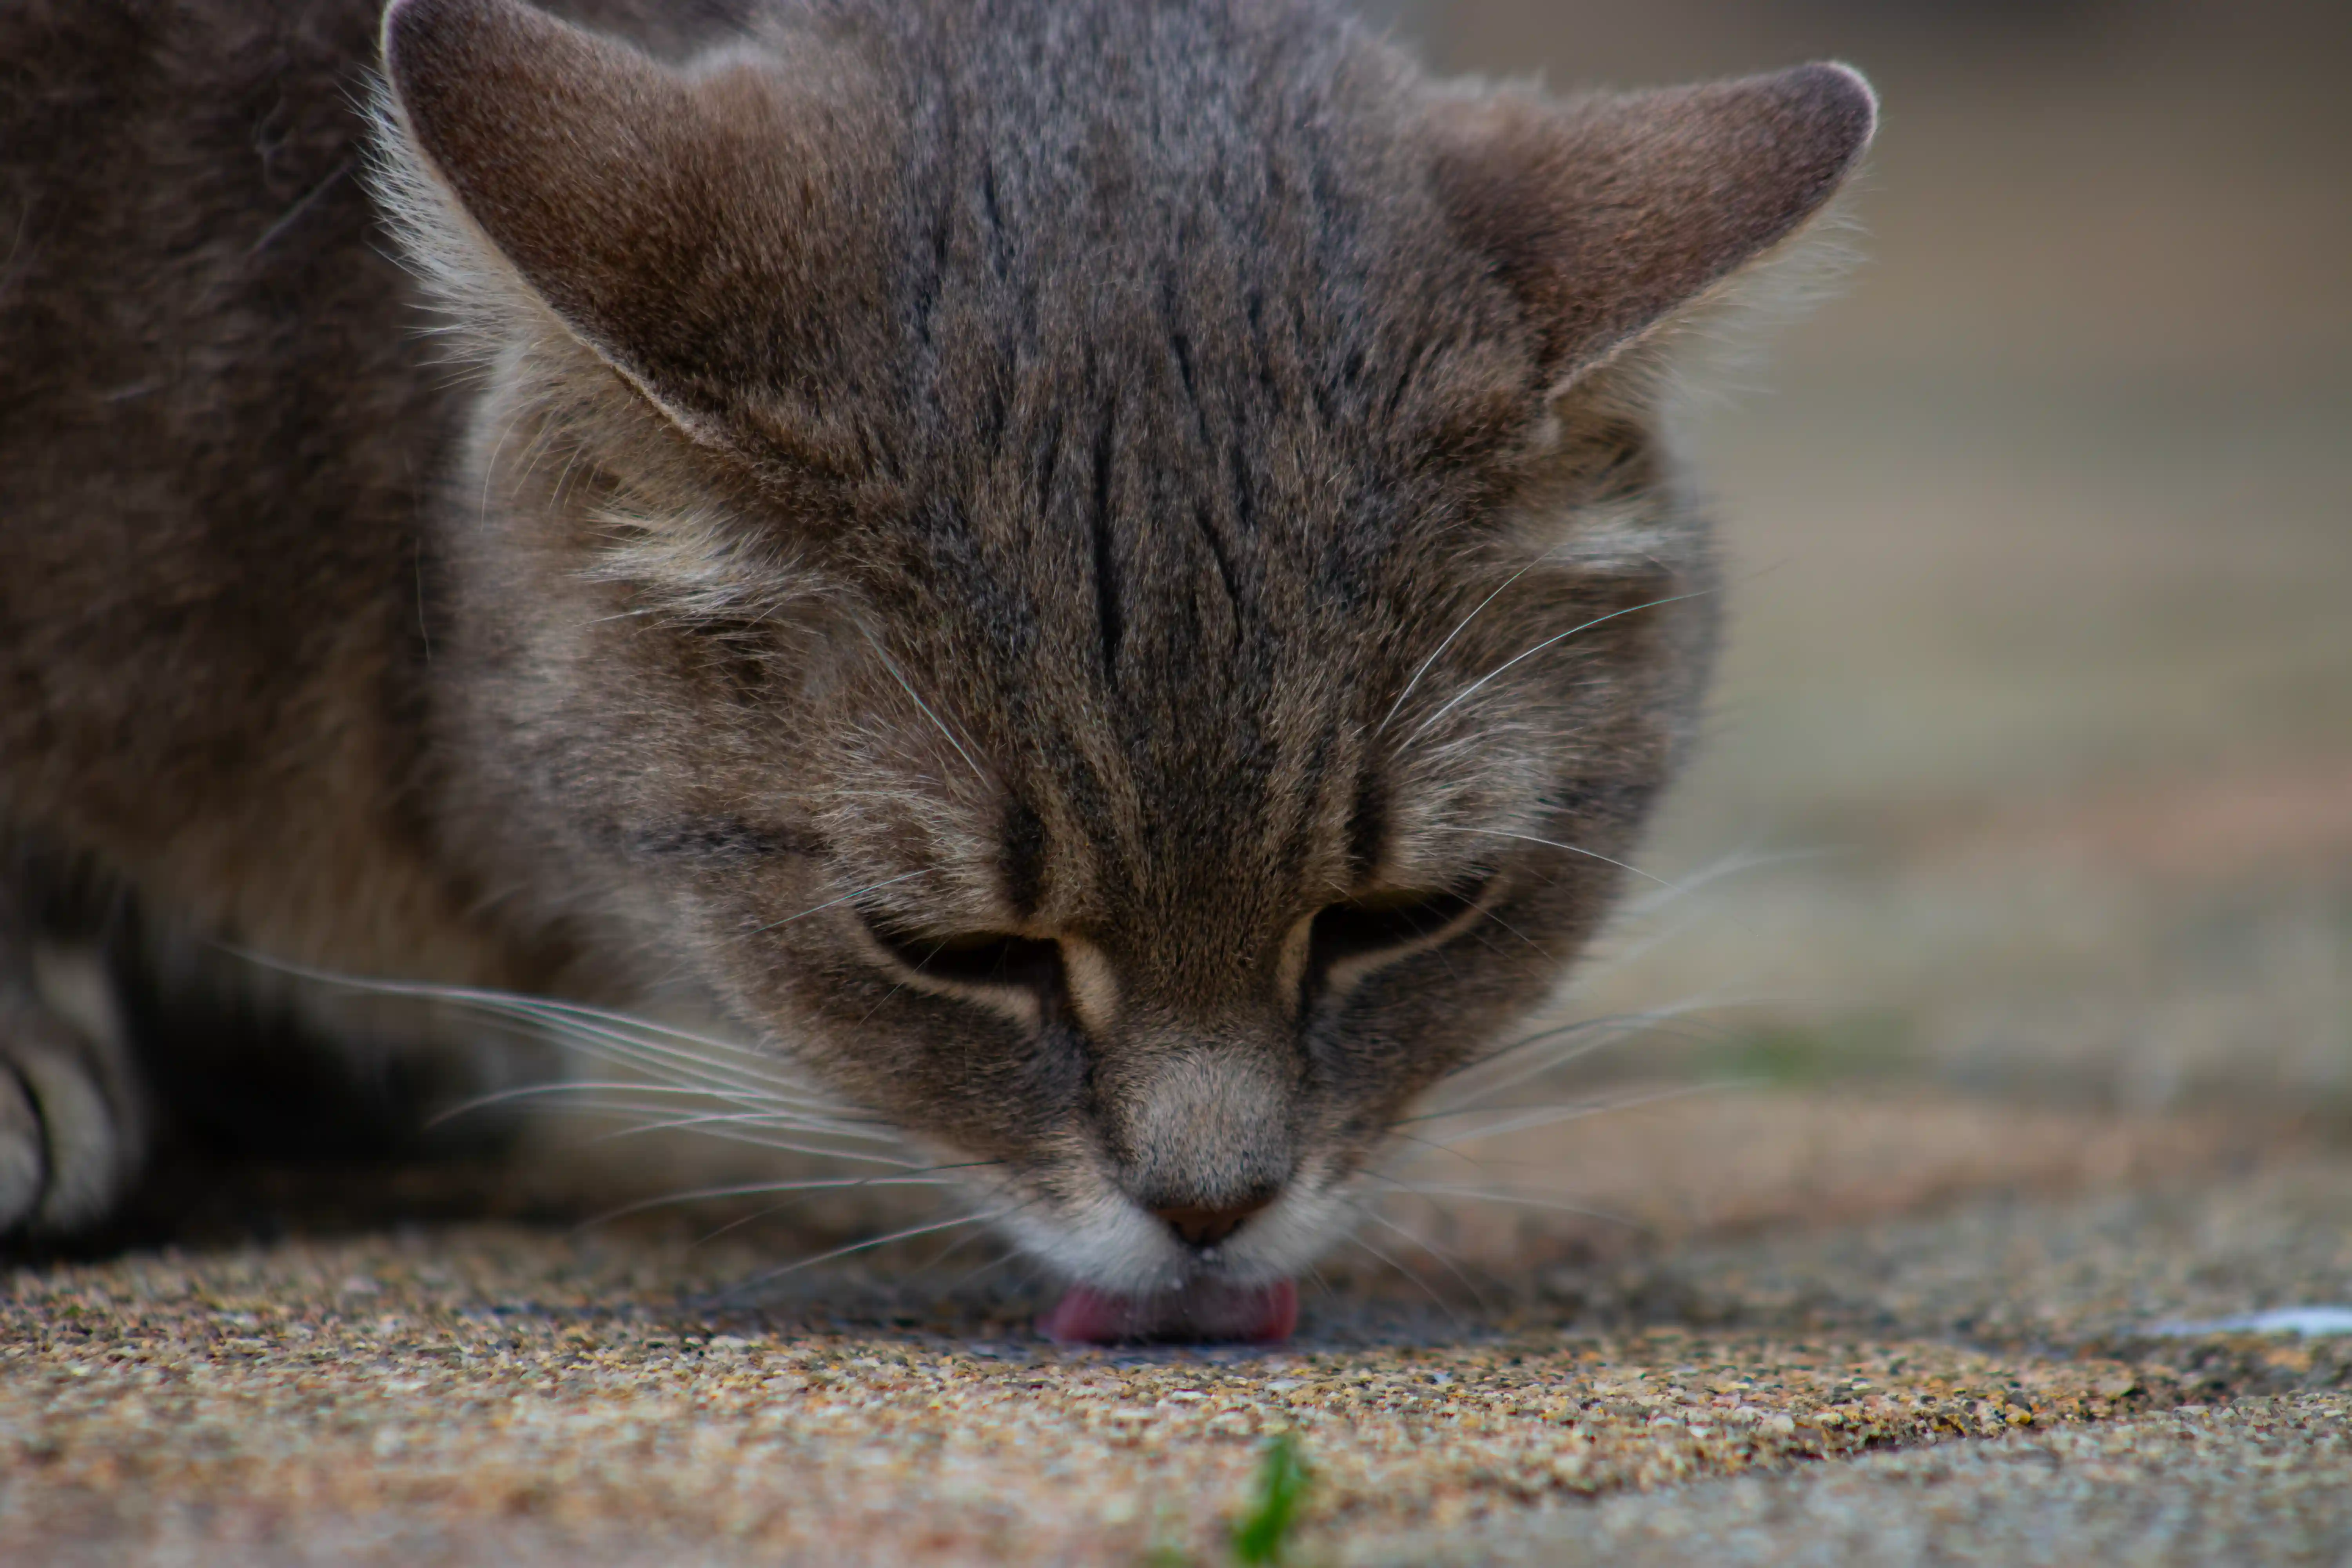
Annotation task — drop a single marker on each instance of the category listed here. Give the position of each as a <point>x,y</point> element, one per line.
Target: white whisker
<point>589,1086</point>
<point>747,1059</point>
<point>1720,870</point>
<point>761,1114</point>
<point>763,1121</point>
<point>1472,1097</point>
<point>1617,1027</point>
<point>871,1242</point>
<point>1472,690</point>
<point>1478,1296</point>
<point>773,1209</point>
<point>757,1189</point>
<point>1460,626</point>
<point>1503,1194</point>
<point>1548,1115</point>
<point>578,1017</point>
<point>503,1000</point>
<point>845,898</point>
<point>879,652</point>
<point>1354,1239</point>
<point>947,1290</point>
<point>1553,844</point>
<point>1619,1024</point>
<point>754,1131</point>
<point>769,1088</point>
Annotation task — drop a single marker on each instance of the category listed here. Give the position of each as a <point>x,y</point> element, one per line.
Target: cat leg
<point>73,1113</point>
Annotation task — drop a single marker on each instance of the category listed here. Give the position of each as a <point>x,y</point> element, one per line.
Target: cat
<point>1108,580</point>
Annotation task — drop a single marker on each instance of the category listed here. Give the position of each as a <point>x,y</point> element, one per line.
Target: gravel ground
<point>2267,1480</point>
<point>496,1393</point>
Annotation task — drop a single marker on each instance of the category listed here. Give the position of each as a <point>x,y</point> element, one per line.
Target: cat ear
<point>675,221</point>
<point>1607,213</point>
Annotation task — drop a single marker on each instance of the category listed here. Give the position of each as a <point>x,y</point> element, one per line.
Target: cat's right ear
<point>686,226</point>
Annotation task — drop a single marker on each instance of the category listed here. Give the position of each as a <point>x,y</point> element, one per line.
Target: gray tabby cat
<point>1104,577</point>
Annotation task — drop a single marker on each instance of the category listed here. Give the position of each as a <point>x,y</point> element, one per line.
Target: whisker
<point>1507,1112</point>
<point>1570,848</point>
<point>757,1119</point>
<point>665,1118</point>
<point>1722,869</point>
<point>731,1134</point>
<point>769,1108</point>
<point>950,1250</point>
<point>708,1236</point>
<point>1493,1194</point>
<point>1616,1028</point>
<point>867,1245</point>
<point>577,1021</point>
<point>1619,958</point>
<point>1545,1116</point>
<point>773,1209</point>
<point>845,898</point>
<point>756,1189</point>
<point>1523,936</point>
<point>734,1097</point>
<point>718,1079</point>
<point>501,1001</point>
<point>1623,1027</point>
<point>1354,1239</point>
<point>1472,690</point>
<point>947,1290</point>
<point>905,685</point>
<point>1459,628</point>
<point>622,1052</point>
<point>612,1045</point>
<point>1477,1297</point>
<point>1496,1100</point>
<point>1616,1024</point>
<point>1009,1255</point>
<point>1435,1208</point>
<point>1451,1153</point>
<point>595,1022</point>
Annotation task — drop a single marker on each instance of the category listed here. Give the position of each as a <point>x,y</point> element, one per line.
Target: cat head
<point>1110,576</point>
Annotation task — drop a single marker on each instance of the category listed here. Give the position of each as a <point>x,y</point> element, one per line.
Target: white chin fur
<point>1112,1245</point>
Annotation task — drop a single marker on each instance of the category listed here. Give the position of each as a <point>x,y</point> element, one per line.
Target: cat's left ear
<point>1611,214</point>
<point>688,225</point>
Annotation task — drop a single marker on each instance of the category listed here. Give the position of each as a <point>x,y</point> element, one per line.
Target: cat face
<point>1107,576</point>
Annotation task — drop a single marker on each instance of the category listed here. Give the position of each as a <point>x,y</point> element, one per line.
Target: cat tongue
<point>1258,1314</point>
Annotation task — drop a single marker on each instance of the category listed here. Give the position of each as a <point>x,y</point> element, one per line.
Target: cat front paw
<point>72,1139</point>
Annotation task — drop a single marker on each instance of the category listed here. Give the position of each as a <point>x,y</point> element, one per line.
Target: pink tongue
<point>1261,1314</point>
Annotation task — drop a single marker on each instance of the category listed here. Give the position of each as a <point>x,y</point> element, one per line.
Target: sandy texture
<point>2268,1480</point>
<point>487,1392</point>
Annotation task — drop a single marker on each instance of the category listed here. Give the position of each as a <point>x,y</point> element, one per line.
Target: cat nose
<point>1204,1228</point>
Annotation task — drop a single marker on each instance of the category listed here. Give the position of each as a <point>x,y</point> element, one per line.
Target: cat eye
<point>976,958</point>
<point>1383,922</point>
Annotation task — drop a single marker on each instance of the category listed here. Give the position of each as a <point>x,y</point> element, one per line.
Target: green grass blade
<point>1282,1481</point>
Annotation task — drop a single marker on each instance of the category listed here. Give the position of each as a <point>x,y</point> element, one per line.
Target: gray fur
<point>1158,486</point>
